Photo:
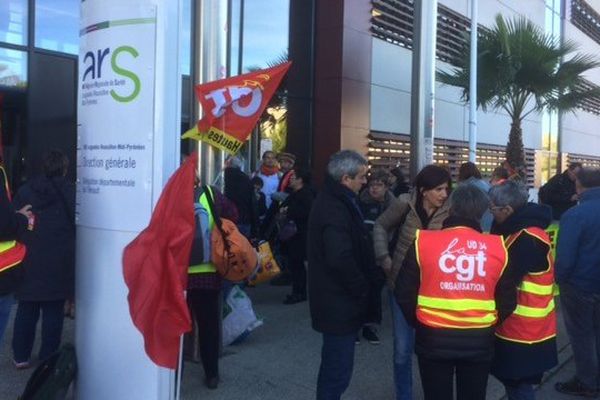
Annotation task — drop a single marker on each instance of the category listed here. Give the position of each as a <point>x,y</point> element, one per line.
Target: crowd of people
<point>468,272</point>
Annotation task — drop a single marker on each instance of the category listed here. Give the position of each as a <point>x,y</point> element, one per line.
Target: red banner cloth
<point>232,106</point>
<point>155,266</point>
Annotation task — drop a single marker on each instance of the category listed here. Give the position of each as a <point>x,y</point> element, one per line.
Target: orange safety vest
<point>11,252</point>
<point>459,271</point>
<point>534,319</point>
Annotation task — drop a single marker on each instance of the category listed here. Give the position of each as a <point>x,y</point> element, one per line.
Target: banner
<point>232,107</point>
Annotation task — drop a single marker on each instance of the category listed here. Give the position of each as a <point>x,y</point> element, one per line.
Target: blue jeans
<point>26,320</point>
<point>404,345</point>
<point>522,391</point>
<point>6,303</point>
<point>582,320</point>
<point>337,361</point>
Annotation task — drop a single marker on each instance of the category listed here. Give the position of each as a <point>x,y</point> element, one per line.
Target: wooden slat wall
<point>587,161</point>
<point>389,150</point>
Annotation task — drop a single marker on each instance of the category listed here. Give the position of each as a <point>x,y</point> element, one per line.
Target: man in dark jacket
<point>526,341</point>
<point>11,223</point>
<point>559,192</point>
<point>578,275</point>
<point>49,266</point>
<point>452,288</point>
<point>341,270</point>
<point>240,190</point>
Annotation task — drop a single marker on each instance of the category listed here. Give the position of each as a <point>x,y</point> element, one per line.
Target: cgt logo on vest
<point>464,263</point>
<point>94,71</point>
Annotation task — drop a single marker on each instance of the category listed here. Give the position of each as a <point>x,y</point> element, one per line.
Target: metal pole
<point>473,86</point>
<point>211,46</point>
<point>423,85</point>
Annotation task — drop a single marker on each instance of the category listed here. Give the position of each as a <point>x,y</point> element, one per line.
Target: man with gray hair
<point>452,288</point>
<point>341,270</point>
<point>578,274</point>
<point>525,345</point>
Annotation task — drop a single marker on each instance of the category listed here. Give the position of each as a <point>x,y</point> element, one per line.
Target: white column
<point>128,146</point>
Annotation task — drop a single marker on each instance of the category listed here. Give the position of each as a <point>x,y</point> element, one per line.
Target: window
<point>57,25</point>
<point>13,21</point>
<point>13,68</point>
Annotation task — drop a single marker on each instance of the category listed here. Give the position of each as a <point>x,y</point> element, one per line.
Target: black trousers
<point>374,305</point>
<point>205,305</point>
<point>296,256</point>
<point>437,378</point>
<point>26,321</point>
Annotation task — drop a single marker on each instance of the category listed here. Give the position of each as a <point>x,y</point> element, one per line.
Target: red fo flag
<point>155,266</point>
<point>232,107</point>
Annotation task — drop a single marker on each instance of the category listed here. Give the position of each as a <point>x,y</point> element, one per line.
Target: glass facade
<point>13,22</point>
<point>13,68</point>
<point>259,39</point>
<point>550,121</point>
<point>57,25</point>
<point>185,41</point>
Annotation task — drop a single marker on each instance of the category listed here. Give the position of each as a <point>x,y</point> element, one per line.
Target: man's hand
<point>26,211</point>
<point>386,265</point>
<point>575,197</point>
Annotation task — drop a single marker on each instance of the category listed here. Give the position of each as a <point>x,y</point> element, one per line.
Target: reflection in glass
<point>266,32</point>
<point>13,21</point>
<point>185,42</point>
<point>57,25</point>
<point>13,68</point>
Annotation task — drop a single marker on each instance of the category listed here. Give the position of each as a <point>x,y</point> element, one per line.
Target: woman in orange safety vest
<point>525,341</point>
<point>453,288</point>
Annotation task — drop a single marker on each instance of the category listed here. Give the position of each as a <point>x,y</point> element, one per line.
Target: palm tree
<point>521,70</point>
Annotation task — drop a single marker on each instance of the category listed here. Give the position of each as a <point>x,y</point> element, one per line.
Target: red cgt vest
<point>534,319</point>
<point>459,271</point>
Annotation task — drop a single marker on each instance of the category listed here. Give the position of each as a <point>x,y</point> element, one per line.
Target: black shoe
<point>294,298</point>
<point>574,387</point>
<point>370,333</point>
<point>284,279</point>
<point>212,383</point>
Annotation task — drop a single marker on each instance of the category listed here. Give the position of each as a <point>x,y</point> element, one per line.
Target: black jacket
<point>557,193</point>
<point>11,224</point>
<point>372,209</point>
<point>239,189</point>
<point>49,266</point>
<point>526,254</point>
<point>450,344</point>
<point>341,265</point>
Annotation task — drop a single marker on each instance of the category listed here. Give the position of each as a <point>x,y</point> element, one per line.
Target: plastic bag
<point>267,265</point>
<point>239,318</point>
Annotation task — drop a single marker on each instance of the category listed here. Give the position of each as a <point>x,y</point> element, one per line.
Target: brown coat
<point>389,220</point>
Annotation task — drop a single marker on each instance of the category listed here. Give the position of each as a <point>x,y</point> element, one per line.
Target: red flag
<point>232,106</point>
<point>155,267</point>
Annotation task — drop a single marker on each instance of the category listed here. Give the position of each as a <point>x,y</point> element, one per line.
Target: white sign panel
<point>116,117</point>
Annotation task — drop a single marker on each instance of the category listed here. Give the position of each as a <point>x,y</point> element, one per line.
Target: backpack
<point>200,253</point>
<point>231,253</point>
<point>53,377</point>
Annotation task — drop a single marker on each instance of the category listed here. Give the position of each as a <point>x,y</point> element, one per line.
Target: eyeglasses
<point>496,208</point>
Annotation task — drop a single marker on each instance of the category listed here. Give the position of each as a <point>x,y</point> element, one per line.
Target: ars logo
<point>93,70</point>
<point>463,262</point>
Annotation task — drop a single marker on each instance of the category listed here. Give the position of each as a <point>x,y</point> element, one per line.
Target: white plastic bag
<point>239,318</point>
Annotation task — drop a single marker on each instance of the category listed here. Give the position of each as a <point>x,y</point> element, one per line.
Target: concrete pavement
<point>280,361</point>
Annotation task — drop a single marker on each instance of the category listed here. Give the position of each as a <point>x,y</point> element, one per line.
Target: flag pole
<point>473,86</point>
<point>180,363</point>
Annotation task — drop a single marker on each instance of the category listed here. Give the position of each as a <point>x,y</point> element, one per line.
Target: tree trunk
<point>515,154</point>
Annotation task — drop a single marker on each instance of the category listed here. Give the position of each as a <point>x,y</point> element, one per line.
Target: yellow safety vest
<point>206,268</point>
